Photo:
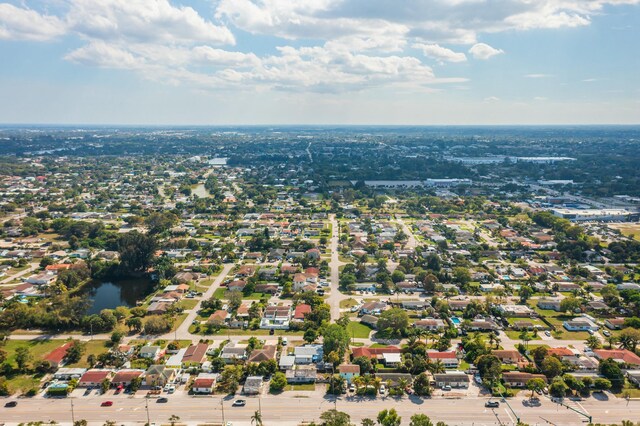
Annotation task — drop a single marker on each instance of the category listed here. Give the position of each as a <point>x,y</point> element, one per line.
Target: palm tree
<point>492,339</point>
<point>612,340</point>
<point>626,342</point>
<point>403,383</point>
<point>256,418</point>
<point>174,419</point>
<point>592,342</point>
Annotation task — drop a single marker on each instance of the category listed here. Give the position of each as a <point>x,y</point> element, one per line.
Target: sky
<point>413,62</point>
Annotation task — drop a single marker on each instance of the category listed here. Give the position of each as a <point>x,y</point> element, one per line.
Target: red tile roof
<point>301,311</point>
<point>374,352</point>
<point>623,355</point>
<point>57,355</point>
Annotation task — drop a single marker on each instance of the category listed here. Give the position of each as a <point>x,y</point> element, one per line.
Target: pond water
<point>200,191</point>
<point>111,294</point>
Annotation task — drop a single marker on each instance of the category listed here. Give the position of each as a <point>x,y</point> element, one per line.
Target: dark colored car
<point>163,399</point>
<point>11,404</point>
<point>492,404</point>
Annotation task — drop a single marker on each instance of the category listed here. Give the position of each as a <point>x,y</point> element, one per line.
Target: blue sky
<point>320,62</point>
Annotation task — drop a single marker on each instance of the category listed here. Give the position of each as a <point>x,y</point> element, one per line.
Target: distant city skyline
<point>233,62</point>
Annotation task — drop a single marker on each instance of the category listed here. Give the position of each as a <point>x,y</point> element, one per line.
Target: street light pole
<point>73,417</point>
<point>222,407</point>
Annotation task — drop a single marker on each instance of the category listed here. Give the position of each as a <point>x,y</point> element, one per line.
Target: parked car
<point>352,388</point>
<point>547,333</point>
<point>446,388</point>
<point>11,404</point>
<point>239,403</point>
<point>492,404</point>
<point>106,404</point>
<point>383,389</point>
<point>607,333</point>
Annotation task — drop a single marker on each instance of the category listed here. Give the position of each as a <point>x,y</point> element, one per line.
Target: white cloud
<point>144,21</point>
<point>491,99</point>
<point>439,53</point>
<point>25,24</point>
<point>484,51</point>
<point>538,75</point>
<point>540,98</point>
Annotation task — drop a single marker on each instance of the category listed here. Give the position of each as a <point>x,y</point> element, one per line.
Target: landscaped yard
<point>95,347</point>
<point>515,335</point>
<point>221,293</point>
<point>358,331</point>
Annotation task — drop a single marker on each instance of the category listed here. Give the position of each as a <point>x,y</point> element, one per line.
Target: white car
<point>383,389</point>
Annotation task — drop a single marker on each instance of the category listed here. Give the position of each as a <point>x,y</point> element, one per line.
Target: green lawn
<point>37,348</point>
<point>348,303</point>
<point>358,330</point>
<point>187,304</point>
<point>563,334</point>
<point>22,383</point>
<point>515,335</point>
<point>95,347</point>
<point>221,293</point>
<point>301,387</point>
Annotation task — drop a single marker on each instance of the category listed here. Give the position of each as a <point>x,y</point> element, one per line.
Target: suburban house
<point>56,356</point>
<point>230,353</point>
<point>518,379</point>
<point>205,383</point>
<point>348,371</point>
<point>431,324</point>
<point>369,320</point>
<point>580,324</point>
<point>286,362</point>
<point>374,353</point>
<point>159,375</point>
<point>308,354</point>
<point>453,378</point>
<point>124,377</point>
<point>552,304</point>
<point>218,318</point>
<point>236,285</point>
<point>69,373</point>
<point>267,353</point>
<point>301,374</point>
<point>246,271</point>
<point>516,311</point>
<point>45,279</point>
<point>373,308</point>
<point>483,325</point>
<point>276,317</point>
<point>623,356</point>
<point>448,359</point>
<point>150,352</point>
<point>195,354</point>
<point>94,378</point>
<point>614,323</point>
<point>507,356</point>
<point>252,385</point>
<point>300,312</point>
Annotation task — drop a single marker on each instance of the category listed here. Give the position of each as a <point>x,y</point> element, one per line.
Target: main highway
<point>293,408</point>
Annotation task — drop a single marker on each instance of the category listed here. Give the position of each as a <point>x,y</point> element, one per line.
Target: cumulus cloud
<point>144,21</point>
<point>348,44</point>
<point>25,24</point>
<point>439,53</point>
<point>484,51</point>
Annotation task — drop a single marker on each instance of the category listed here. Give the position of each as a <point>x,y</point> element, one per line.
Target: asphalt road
<point>292,408</point>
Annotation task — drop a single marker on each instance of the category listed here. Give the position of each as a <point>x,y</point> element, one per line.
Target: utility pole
<point>146,405</point>
<point>222,407</point>
<point>73,417</point>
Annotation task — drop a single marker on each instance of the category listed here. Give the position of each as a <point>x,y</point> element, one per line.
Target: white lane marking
<point>508,414</point>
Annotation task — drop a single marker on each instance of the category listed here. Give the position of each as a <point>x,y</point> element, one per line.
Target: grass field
<point>221,293</point>
<point>628,229</point>
<point>38,348</point>
<point>358,330</point>
<point>301,387</point>
<point>515,335</point>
